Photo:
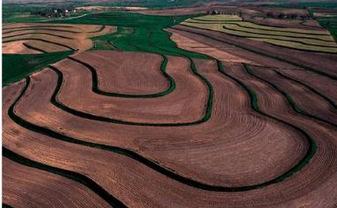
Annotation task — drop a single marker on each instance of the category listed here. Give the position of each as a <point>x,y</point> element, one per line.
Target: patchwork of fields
<point>318,41</point>
<point>37,38</point>
<point>123,109</point>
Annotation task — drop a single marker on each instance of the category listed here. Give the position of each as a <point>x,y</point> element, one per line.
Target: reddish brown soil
<point>132,73</point>
<point>28,187</point>
<point>320,83</point>
<point>183,148</point>
<point>252,136</point>
<point>304,98</point>
<point>184,104</point>
<point>212,51</point>
<point>323,62</point>
<point>128,180</point>
<point>228,48</point>
<point>323,162</point>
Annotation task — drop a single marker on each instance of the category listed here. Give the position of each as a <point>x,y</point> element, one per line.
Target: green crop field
<point>135,32</point>
<point>287,37</point>
<point>144,33</point>
<point>17,66</point>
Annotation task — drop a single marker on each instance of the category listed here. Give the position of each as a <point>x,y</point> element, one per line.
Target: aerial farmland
<point>183,103</point>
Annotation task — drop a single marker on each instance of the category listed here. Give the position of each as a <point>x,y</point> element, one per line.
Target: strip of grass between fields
<point>17,66</point>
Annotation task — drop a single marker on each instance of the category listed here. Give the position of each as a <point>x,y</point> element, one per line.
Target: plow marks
<point>125,129</point>
<point>293,38</point>
<point>33,38</point>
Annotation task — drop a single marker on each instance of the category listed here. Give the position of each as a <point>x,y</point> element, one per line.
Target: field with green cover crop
<point>146,32</point>
<point>319,41</point>
<point>211,105</point>
<point>15,67</point>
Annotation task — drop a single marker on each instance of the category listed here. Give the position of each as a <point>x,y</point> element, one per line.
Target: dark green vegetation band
<point>42,40</point>
<point>289,99</point>
<point>254,104</point>
<point>148,34</point>
<point>95,84</point>
<point>324,97</point>
<point>6,205</point>
<point>34,48</point>
<point>38,33</point>
<point>151,37</point>
<point>82,179</point>
<point>16,66</point>
<point>259,52</point>
<point>149,163</point>
<point>75,112</point>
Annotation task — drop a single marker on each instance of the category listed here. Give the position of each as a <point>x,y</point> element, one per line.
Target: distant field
<point>43,38</point>
<point>328,21</point>
<point>144,33</point>
<point>320,41</point>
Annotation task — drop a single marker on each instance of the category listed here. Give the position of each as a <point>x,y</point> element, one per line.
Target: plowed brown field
<point>254,125</point>
<point>33,38</point>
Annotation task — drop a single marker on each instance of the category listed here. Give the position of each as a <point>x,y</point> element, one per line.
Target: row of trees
<point>287,16</point>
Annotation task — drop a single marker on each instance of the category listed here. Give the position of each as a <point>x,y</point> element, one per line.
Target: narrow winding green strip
<point>289,99</point>
<point>254,104</point>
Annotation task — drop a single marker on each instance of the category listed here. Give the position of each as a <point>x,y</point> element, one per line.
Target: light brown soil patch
<point>193,45</point>
<point>18,48</point>
<point>73,36</point>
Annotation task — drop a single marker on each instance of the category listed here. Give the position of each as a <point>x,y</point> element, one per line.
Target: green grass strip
<point>17,66</point>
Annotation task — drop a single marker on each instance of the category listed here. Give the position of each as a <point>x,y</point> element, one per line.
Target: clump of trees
<point>282,15</point>
<point>55,12</point>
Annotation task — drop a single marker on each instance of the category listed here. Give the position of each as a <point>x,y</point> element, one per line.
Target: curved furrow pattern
<point>65,173</point>
<point>96,79</point>
<point>323,161</point>
<point>262,28</point>
<point>34,48</point>
<point>273,36</point>
<point>13,95</point>
<point>47,28</point>
<point>163,156</point>
<point>7,26</point>
<point>318,84</point>
<point>314,42</point>
<point>254,104</point>
<point>42,188</point>
<point>290,39</point>
<point>38,33</point>
<point>75,37</point>
<point>294,58</point>
<point>130,177</point>
<point>301,99</point>
<point>42,40</point>
<point>99,30</point>
<point>175,109</point>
